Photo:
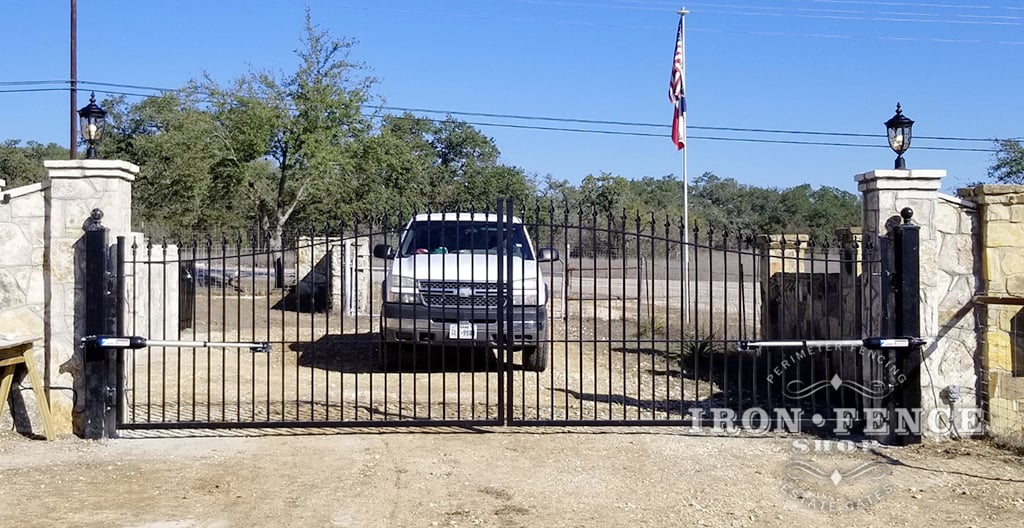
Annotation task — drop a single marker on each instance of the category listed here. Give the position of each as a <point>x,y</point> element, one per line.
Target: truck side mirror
<point>547,255</point>
<point>383,251</point>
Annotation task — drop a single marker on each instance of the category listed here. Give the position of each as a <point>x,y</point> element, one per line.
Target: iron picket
<point>630,338</point>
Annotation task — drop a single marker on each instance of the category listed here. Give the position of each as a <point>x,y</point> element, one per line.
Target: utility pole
<point>73,143</point>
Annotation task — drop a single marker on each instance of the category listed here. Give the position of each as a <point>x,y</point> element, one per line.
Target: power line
<point>901,4</point>
<point>657,125</point>
<point>806,12</point>
<point>597,122</point>
<point>532,118</point>
<point>710,138</point>
<point>579,22</point>
<point>603,132</point>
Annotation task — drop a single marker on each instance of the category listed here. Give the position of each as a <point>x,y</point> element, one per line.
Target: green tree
<point>470,173</point>
<point>413,163</point>
<point>831,209</point>
<point>1008,166</point>
<point>726,205</point>
<point>723,204</point>
<point>663,195</point>
<point>607,195</point>
<point>174,142</point>
<point>290,136</point>
<point>23,164</point>
<point>393,169</point>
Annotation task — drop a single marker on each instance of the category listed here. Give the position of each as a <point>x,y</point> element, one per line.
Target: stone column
<point>883,194</point>
<point>851,271</point>
<point>1002,295</point>
<point>363,274</point>
<point>785,261</point>
<point>76,187</point>
<point>947,274</point>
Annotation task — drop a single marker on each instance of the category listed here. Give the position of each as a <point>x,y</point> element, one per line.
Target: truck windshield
<point>461,237</point>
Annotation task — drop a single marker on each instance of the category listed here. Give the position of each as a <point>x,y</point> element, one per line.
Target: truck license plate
<point>463,330</point>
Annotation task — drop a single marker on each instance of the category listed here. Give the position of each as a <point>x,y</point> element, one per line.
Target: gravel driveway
<point>495,477</point>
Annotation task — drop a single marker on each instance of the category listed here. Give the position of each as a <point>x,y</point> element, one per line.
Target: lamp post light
<point>899,129</point>
<point>90,120</point>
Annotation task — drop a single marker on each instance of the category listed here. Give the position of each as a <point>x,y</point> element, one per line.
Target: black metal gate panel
<point>539,315</point>
<point>656,325</point>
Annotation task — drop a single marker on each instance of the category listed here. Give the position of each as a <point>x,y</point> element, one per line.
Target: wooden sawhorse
<point>14,352</point>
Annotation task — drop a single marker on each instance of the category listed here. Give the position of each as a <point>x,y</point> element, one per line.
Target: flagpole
<point>686,241</point>
<point>686,191</point>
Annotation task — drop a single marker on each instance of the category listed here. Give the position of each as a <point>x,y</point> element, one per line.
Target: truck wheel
<point>535,359</point>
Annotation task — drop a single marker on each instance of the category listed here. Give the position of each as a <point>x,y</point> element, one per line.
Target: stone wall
<point>949,277</point>
<point>23,288</point>
<point>333,274</point>
<point>972,280</point>
<point>22,239</point>
<point>152,275</point>
<point>809,291</point>
<point>1001,302</point>
<point>950,272</point>
<point>42,269</point>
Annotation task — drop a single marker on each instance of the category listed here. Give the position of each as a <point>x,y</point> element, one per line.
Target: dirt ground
<point>493,477</point>
<point>325,367</point>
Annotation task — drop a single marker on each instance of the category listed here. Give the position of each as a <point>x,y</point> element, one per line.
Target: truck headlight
<point>526,293</point>
<point>402,290</point>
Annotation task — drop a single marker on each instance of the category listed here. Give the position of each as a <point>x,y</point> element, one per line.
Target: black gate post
<point>506,284</point>
<point>907,319</point>
<point>504,313</point>
<point>96,366</point>
<point>117,369</point>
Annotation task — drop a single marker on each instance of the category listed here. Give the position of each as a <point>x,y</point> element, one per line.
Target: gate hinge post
<point>100,402</point>
<point>907,290</point>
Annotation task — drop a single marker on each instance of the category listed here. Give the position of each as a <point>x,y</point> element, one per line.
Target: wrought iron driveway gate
<point>614,331</point>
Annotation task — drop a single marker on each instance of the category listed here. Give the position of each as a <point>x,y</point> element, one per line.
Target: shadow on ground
<point>361,353</point>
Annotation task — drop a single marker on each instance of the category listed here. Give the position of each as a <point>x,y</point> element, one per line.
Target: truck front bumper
<point>461,326</point>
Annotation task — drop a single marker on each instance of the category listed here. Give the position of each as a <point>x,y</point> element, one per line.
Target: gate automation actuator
<point>136,342</point>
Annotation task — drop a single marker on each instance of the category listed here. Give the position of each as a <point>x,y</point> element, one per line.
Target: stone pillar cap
<point>994,194</point>
<point>902,180</point>
<point>91,168</point>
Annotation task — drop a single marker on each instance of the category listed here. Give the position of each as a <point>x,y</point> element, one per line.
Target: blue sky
<point>794,65</point>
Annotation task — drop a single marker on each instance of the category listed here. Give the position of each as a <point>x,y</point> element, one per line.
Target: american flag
<point>677,91</point>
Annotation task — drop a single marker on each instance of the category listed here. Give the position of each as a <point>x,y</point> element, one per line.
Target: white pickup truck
<point>442,287</point>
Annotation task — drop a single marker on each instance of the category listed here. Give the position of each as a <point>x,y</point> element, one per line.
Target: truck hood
<point>462,268</point>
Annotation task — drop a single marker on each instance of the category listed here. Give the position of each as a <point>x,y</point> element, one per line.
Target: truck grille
<point>451,293</point>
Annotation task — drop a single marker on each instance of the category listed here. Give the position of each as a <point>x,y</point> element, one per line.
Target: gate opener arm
<point>135,342</point>
<point>870,343</point>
